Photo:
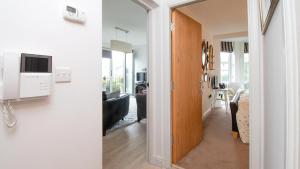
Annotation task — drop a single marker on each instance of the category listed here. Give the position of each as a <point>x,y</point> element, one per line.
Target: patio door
<point>117,72</point>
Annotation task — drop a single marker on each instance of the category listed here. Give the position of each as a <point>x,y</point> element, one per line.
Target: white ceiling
<point>127,15</point>
<point>219,17</point>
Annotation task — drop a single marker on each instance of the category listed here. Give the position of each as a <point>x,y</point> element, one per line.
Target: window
<point>246,70</point>
<point>227,67</point>
<point>129,73</point>
<point>117,72</point>
<point>106,74</point>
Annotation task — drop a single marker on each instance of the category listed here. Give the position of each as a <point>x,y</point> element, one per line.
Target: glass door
<point>106,74</point>
<point>129,73</point>
<point>117,72</point>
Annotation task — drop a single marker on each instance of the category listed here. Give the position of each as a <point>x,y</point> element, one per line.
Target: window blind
<point>227,47</point>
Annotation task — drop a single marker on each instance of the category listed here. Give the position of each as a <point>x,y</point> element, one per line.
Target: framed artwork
<point>267,8</point>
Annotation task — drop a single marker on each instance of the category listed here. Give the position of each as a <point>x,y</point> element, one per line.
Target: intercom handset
<point>23,76</point>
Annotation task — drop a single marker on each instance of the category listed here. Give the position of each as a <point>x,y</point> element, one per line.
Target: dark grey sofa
<point>141,102</point>
<point>114,110</point>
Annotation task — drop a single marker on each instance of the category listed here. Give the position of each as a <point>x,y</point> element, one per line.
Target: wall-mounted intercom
<point>23,76</point>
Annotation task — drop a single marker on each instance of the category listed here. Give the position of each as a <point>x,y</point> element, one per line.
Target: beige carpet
<point>218,150</point>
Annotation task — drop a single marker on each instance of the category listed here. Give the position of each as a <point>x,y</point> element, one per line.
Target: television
<point>141,76</point>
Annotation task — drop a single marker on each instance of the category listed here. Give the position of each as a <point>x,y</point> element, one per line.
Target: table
<point>225,94</point>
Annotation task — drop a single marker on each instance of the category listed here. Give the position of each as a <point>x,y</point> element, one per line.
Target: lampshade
<point>120,46</point>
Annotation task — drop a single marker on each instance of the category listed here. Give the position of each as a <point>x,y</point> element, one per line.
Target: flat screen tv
<point>141,76</point>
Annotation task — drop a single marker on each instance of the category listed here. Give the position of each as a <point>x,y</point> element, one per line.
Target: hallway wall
<point>274,92</point>
<point>64,130</point>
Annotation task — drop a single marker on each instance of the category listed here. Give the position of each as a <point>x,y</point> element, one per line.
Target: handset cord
<point>9,117</point>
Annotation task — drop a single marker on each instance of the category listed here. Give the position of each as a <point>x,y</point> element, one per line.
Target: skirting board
<point>157,161</point>
<point>176,167</point>
<point>206,113</point>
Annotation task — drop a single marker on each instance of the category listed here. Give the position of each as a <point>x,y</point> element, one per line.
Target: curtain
<point>246,47</point>
<point>227,47</point>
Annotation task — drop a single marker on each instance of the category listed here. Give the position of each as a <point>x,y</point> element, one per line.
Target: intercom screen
<point>36,63</point>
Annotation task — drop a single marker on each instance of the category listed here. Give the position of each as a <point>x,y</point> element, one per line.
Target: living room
<point>124,84</point>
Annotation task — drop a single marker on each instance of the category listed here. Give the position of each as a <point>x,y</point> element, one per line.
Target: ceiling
<point>219,17</point>
<point>126,15</point>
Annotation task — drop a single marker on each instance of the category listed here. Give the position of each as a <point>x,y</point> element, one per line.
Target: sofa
<point>141,102</point>
<point>234,106</point>
<point>114,109</point>
<point>242,118</point>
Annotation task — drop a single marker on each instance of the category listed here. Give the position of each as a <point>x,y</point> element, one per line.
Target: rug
<point>131,117</point>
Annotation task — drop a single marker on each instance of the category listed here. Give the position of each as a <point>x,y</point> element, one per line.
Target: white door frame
<point>292,84</point>
<point>150,5</point>
<point>256,77</point>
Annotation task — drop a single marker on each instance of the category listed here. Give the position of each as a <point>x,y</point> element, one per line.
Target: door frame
<point>159,45</point>
<point>256,67</point>
<point>292,73</point>
<point>149,6</point>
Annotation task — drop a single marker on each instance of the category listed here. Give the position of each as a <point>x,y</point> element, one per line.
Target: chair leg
<point>235,134</point>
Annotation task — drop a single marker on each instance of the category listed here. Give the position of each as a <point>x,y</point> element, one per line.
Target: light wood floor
<point>126,148</point>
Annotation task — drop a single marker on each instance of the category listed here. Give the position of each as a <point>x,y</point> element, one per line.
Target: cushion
<point>242,118</point>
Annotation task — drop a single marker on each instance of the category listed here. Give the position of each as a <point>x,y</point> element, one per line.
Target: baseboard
<point>176,167</point>
<point>157,161</point>
<point>206,113</point>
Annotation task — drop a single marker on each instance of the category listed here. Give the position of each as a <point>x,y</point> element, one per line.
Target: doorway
<point>224,71</point>
<point>124,85</point>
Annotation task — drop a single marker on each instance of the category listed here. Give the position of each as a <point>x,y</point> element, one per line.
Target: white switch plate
<point>63,74</point>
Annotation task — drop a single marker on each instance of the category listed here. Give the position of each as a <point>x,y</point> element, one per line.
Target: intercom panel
<point>25,75</point>
<point>10,73</point>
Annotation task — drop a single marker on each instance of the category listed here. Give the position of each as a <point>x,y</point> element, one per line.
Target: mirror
<point>205,77</point>
<point>210,57</point>
<point>204,55</point>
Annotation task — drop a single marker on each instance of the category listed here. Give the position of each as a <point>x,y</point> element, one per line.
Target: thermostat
<point>74,15</point>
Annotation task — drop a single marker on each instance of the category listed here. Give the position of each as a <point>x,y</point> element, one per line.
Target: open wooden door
<point>187,129</point>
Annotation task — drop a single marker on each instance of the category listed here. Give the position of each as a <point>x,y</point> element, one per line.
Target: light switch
<point>63,74</point>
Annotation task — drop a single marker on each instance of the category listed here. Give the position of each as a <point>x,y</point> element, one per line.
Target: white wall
<point>129,16</point>
<point>64,130</point>
<point>274,92</point>
<point>207,90</point>
<point>140,58</point>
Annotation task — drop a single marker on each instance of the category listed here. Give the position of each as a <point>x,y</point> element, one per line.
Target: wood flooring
<point>126,148</point>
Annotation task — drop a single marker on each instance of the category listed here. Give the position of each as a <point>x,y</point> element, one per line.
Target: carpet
<point>218,150</point>
<point>131,117</point>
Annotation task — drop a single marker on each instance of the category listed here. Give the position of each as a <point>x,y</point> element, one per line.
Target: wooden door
<point>186,93</point>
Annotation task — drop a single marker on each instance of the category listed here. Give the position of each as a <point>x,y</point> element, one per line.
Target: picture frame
<point>267,8</point>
